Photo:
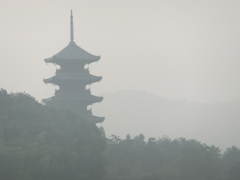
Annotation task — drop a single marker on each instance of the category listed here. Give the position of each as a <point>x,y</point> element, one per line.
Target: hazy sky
<point>177,49</point>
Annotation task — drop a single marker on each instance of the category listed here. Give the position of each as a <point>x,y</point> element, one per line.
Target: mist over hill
<point>131,112</point>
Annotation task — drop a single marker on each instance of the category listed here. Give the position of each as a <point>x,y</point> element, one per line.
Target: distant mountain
<point>131,112</point>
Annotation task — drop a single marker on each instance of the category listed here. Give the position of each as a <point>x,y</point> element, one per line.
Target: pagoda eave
<point>86,99</point>
<point>64,81</point>
<point>56,60</point>
<point>71,77</point>
<point>47,100</point>
<point>49,80</point>
<point>95,119</point>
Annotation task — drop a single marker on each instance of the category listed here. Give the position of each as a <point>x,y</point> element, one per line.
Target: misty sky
<point>177,49</point>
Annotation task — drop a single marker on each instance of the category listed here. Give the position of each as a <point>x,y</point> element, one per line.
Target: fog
<point>178,50</point>
<point>144,113</point>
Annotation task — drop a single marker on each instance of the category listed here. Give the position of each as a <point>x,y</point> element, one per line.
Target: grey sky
<point>185,50</point>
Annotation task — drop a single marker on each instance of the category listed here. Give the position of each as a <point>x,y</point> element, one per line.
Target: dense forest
<point>166,159</point>
<point>41,143</point>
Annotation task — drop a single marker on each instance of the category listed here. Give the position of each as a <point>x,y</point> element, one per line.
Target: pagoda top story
<point>72,52</point>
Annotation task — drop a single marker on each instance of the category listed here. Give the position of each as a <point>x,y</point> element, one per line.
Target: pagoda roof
<point>89,99</point>
<point>73,77</point>
<point>72,52</point>
<point>95,119</point>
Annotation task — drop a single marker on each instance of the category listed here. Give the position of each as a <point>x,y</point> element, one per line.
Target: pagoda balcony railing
<point>87,91</point>
<point>86,70</point>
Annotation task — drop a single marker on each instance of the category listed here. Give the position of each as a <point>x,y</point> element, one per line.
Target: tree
<point>231,162</point>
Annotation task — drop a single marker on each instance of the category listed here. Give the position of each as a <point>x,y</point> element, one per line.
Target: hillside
<point>130,112</point>
<point>37,142</point>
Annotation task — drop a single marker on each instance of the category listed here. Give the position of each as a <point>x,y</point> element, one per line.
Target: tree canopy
<point>167,159</point>
<point>37,142</point>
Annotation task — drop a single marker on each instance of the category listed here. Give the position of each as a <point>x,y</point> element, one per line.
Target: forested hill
<point>39,143</point>
<point>166,159</point>
<point>139,112</point>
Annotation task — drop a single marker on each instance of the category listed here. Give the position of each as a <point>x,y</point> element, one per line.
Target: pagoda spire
<point>71,28</point>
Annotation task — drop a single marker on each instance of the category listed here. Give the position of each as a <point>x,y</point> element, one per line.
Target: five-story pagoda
<point>73,78</point>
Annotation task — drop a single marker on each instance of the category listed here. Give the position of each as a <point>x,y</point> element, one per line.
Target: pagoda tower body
<point>73,78</point>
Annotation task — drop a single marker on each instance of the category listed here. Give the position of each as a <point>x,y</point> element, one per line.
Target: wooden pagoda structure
<point>73,78</point>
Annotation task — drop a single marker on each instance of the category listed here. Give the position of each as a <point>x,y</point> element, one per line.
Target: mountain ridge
<point>131,112</point>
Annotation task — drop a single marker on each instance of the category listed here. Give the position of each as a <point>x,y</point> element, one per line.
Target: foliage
<point>166,159</point>
<point>231,160</point>
<point>37,142</point>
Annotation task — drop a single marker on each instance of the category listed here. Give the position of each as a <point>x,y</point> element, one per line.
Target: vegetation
<point>40,143</point>
<point>166,159</point>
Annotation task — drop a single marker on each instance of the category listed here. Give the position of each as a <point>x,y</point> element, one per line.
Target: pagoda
<point>73,79</point>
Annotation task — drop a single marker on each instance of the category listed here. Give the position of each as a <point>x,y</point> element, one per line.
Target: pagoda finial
<point>71,28</point>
